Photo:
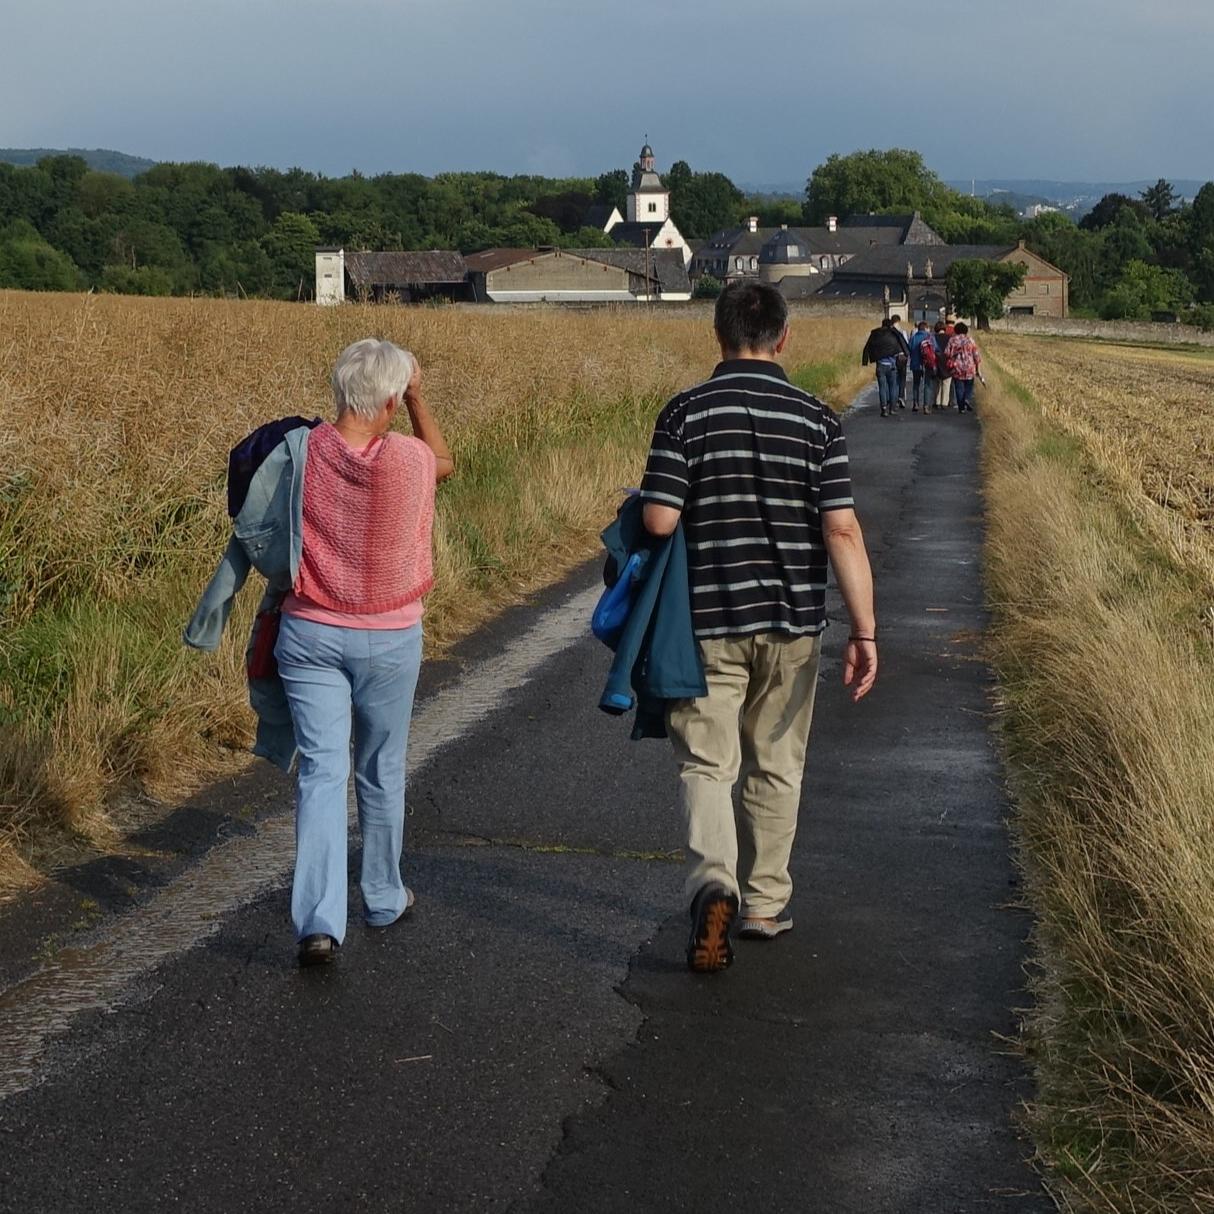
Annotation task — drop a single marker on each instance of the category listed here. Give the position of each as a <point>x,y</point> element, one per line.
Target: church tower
<point>649,200</point>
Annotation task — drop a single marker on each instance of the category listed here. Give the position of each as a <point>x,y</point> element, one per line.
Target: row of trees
<point>198,228</point>
<point>1127,258</point>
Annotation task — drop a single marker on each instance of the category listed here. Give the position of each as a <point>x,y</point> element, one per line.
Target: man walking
<point>757,471</point>
<point>885,347</point>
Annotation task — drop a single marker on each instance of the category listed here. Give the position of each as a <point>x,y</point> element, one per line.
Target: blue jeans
<point>887,384</point>
<point>964,389</point>
<point>336,678</point>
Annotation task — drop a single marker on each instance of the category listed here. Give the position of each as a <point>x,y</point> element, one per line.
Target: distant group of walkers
<point>943,360</point>
<point>746,499</point>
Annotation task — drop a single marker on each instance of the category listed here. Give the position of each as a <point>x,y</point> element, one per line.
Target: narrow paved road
<point>530,1041</point>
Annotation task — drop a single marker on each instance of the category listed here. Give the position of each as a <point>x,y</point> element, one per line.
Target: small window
<point>754,263</point>
<point>793,251</point>
<point>737,261</point>
<point>653,206</point>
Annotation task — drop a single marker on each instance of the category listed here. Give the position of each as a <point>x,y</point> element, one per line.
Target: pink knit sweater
<point>367,519</point>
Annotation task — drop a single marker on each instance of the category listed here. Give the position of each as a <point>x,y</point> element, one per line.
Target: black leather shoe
<point>318,949</point>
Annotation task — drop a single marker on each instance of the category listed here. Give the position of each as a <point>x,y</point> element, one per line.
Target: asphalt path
<point>530,1040</point>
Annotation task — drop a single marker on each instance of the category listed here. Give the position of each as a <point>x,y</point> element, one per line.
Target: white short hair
<point>367,373</point>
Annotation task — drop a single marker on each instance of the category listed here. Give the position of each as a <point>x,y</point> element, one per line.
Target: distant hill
<point>1075,196</point>
<point>102,159</point>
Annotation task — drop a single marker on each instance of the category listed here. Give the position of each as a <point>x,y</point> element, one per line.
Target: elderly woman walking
<point>350,643</point>
<point>337,517</point>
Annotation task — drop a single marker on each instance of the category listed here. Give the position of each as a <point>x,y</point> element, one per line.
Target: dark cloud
<point>1064,88</point>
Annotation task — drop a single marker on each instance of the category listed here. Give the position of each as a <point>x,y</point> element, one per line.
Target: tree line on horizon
<point>200,229</point>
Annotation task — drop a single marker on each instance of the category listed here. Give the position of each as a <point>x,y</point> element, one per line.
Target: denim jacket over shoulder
<point>267,536</point>
<point>657,658</point>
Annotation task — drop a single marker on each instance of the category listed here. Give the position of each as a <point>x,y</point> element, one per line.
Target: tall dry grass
<point>116,416</point>
<point>1103,647</point>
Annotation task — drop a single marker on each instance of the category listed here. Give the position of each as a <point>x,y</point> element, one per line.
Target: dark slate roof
<point>636,233</point>
<point>785,247</point>
<point>896,229</point>
<point>405,269</point>
<point>597,215</point>
<point>856,288</point>
<point>666,265</point>
<point>888,263</point>
<point>730,241</point>
<point>801,286</point>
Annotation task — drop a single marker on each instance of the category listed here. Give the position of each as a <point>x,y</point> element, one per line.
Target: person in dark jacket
<point>885,346</point>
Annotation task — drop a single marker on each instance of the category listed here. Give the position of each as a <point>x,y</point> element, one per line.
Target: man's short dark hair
<point>750,315</point>
<point>885,324</point>
<point>961,327</point>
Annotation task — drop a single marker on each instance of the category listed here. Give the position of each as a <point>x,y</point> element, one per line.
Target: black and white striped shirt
<point>751,461</point>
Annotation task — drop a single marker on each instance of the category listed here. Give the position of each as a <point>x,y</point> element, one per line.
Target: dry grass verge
<point>1103,647</point>
<point>116,416</point>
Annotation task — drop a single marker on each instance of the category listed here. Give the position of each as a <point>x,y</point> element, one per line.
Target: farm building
<point>578,276</point>
<point>912,279</point>
<point>406,277</point>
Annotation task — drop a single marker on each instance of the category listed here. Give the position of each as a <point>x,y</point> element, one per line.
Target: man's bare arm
<point>659,519</point>
<point>849,558</point>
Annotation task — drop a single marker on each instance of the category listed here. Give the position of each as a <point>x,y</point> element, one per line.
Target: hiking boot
<point>713,911</point>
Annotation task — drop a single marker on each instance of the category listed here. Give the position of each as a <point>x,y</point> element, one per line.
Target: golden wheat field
<point>1145,414</point>
<point>116,417</point>
<point>1099,558</point>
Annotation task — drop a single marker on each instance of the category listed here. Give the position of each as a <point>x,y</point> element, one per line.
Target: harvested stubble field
<point>1145,414</point>
<point>116,416</point>
<point>1100,560</point>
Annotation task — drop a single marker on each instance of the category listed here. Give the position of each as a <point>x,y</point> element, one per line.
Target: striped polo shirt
<point>751,461</point>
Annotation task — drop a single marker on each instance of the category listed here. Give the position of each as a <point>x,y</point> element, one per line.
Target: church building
<point>648,225</point>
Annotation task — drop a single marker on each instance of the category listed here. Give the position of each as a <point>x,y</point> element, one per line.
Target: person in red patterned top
<point>964,361</point>
<point>350,643</point>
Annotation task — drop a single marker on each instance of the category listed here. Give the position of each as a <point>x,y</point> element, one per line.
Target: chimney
<point>832,223</point>
<point>752,223</point>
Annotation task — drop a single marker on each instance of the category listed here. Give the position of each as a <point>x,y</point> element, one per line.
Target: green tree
<point>290,245</point>
<point>1143,289</point>
<point>979,288</point>
<point>1159,198</point>
<point>28,263</point>
<point>1200,224</point>
<point>893,180</point>
<point>707,287</point>
<point>1109,208</point>
<point>705,203</point>
<point>611,189</point>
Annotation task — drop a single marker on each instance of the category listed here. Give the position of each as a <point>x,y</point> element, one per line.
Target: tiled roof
<point>495,259</point>
<point>665,265</point>
<point>896,229</point>
<point>597,215</point>
<point>405,269</point>
<point>801,286</point>
<point>888,263</point>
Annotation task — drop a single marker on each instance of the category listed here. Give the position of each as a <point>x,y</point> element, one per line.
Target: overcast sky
<point>1066,89</point>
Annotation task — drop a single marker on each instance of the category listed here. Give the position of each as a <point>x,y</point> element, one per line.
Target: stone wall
<point>1109,330</point>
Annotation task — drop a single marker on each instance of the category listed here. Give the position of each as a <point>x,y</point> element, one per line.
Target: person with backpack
<point>885,345</point>
<point>964,363</point>
<point>337,516</point>
<point>922,347</point>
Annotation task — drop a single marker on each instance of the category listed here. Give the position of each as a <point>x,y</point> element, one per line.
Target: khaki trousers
<point>754,723</point>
